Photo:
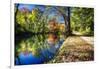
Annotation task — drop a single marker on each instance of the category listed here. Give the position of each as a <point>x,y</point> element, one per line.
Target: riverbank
<point>75,49</point>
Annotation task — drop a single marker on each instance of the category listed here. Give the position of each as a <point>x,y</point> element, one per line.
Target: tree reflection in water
<point>37,49</point>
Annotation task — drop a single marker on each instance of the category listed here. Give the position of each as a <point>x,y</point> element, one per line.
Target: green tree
<point>82,20</point>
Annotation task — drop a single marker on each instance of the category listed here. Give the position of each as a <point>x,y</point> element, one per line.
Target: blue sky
<point>52,11</point>
<point>31,6</point>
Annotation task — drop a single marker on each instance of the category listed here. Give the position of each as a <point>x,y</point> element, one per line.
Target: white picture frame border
<point>70,3</point>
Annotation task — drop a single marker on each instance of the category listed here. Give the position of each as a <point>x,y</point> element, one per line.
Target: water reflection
<point>37,49</point>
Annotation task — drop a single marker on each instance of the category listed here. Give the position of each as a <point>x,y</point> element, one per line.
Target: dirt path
<point>89,40</point>
<point>74,49</point>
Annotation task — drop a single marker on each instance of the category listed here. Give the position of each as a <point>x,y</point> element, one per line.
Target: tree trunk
<point>66,19</point>
<point>16,24</point>
<point>66,25</point>
<point>67,22</point>
<point>69,28</point>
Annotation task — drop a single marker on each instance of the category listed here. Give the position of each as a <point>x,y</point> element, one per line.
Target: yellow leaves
<point>62,27</point>
<point>29,16</point>
<point>18,50</point>
<point>75,49</point>
<point>23,46</point>
<point>33,11</point>
<point>20,19</point>
<point>35,50</point>
<point>29,48</point>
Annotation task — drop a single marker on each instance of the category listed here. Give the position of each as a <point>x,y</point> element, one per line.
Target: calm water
<point>37,49</point>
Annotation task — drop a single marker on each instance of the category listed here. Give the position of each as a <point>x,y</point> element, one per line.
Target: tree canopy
<point>82,20</point>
